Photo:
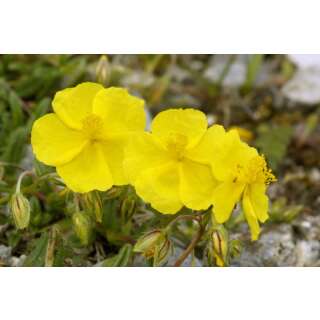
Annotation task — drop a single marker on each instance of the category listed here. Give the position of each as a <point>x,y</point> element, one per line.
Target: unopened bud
<point>163,251</point>
<point>82,227</point>
<point>156,245</point>
<point>219,240</point>
<point>147,243</point>
<point>20,210</point>
<point>93,204</point>
<point>128,208</point>
<point>114,192</point>
<point>103,70</point>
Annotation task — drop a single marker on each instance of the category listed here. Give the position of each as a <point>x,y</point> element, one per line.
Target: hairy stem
<point>191,246</point>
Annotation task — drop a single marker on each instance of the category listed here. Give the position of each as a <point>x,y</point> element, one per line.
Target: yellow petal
<point>259,201</point>
<point>88,171</point>
<point>113,150</point>
<point>233,153</point>
<point>197,185</point>
<point>142,153</point>
<point>160,187</point>
<point>250,215</point>
<point>190,123</point>
<point>121,111</point>
<point>72,105</point>
<point>53,143</point>
<point>225,196</point>
<point>212,143</point>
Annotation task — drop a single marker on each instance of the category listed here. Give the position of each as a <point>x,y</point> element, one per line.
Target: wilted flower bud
<point>128,207</point>
<point>93,204</point>
<point>20,210</point>
<point>103,70</point>
<point>82,227</point>
<point>219,241</point>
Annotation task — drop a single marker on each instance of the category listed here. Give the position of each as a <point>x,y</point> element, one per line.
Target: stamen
<point>176,145</point>
<point>256,171</point>
<point>92,126</point>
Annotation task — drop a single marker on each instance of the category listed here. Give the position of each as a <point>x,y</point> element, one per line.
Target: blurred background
<point>272,100</point>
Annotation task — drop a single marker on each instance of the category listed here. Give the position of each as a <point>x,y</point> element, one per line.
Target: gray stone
<point>275,248</point>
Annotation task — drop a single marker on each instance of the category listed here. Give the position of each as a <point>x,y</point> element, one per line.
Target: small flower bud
<point>147,243</point>
<point>82,227</point>
<point>114,192</point>
<point>103,70</point>
<point>163,251</point>
<point>156,245</point>
<point>20,210</point>
<point>219,241</point>
<point>128,208</point>
<point>93,204</point>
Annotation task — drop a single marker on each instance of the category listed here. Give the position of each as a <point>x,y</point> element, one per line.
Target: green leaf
<point>122,259</point>
<point>273,142</point>
<point>252,71</point>
<point>37,256</point>
<point>16,104</point>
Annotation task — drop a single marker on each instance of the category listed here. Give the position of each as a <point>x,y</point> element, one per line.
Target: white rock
<point>304,87</point>
<point>305,61</point>
<point>236,75</point>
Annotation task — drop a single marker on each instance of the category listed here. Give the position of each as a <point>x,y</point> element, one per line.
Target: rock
<point>5,253</point>
<point>138,79</point>
<point>236,75</point>
<point>304,87</point>
<point>304,61</point>
<point>8,260</point>
<point>275,248</point>
<point>308,253</point>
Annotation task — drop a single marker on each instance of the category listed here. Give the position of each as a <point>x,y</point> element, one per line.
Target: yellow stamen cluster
<point>176,145</point>
<point>92,126</point>
<point>256,171</point>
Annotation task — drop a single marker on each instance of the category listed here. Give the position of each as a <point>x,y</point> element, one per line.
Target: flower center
<point>176,144</point>
<point>255,171</point>
<point>92,126</point>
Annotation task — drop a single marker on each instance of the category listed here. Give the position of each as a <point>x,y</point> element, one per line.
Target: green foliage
<point>273,142</point>
<point>36,258</point>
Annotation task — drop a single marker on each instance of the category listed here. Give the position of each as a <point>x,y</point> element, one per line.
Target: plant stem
<point>191,246</point>
<point>22,175</point>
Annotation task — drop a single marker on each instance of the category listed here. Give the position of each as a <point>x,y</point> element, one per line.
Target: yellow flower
<point>170,166</point>
<point>243,175</point>
<point>85,136</point>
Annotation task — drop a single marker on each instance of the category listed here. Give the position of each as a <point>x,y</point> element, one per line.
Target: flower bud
<point>162,253</point>
<point>93,204</point>
<point>103,70</point>
<point>128,208</point>
<point>147,243</point>
<point>114,192</point>
<point>82,227</point>
<point>20,210</point>
<point>156,245</point>
<point>219,241</point>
